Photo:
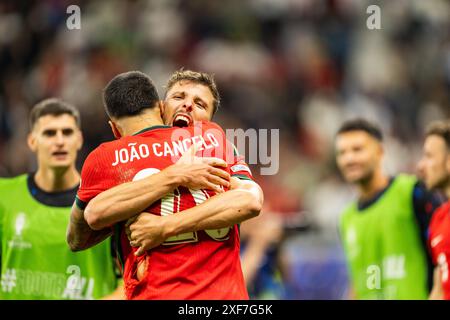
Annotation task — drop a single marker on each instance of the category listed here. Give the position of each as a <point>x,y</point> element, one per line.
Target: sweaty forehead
<point>192,88</point>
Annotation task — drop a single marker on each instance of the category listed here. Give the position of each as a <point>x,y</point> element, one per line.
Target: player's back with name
<point>177,141</point>
<point>120,161</point>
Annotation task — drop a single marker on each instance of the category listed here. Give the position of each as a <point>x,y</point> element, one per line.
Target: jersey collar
<point>365,204</point>
<point>150,128</point>
<point>52,199</point>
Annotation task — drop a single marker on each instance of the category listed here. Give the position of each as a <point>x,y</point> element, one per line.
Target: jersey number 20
<point>167,208</point>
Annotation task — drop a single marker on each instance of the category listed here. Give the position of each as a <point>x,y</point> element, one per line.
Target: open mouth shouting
<point>182,120</point>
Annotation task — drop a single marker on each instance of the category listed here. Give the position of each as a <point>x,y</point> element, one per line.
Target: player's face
<point>435,163</point>
<point>186,102</point>
<point>357,155</point>
<point>55,140</point>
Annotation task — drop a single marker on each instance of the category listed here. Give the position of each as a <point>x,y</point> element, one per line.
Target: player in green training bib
<point>384,232</point>
<point>36,262</point>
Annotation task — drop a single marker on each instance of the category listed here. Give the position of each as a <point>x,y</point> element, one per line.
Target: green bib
<point>383,248</point>
<point>36,262</point>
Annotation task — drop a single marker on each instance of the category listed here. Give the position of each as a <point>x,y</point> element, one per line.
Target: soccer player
<point>172,270</point>
<point>34,213</point>
<point>435,166</point>
<point>190,96</point>
<point>384,231</point>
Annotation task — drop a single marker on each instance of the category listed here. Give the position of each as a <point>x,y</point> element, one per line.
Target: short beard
<point>365,179</point>
<point>442,184</point>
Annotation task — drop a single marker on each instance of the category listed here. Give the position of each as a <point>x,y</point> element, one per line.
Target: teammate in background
<point>384,231</point>
<point>435,167</point>
<point>34,212</point>
<point>188,238</point>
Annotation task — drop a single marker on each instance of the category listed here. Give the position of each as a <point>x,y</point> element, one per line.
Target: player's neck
<point>134,124</point>
<point>57,180</point>
<point>377,182</point>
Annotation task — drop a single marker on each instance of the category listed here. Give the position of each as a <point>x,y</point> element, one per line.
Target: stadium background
<point>301,66</point>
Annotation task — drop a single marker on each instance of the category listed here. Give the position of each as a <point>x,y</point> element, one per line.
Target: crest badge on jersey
<point>19,225</point>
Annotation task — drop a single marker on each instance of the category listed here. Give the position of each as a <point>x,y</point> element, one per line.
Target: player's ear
<point>162,107</point>
<point>448,163</point>
<point>80,140</point>
<point>115,130</point>
<point>31,140</point>
<point>380,149</point>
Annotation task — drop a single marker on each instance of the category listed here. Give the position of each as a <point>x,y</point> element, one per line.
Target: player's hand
<point>201,172</point>
<point>145,231</point>
<point>189,157</point>
<point>437,292</point>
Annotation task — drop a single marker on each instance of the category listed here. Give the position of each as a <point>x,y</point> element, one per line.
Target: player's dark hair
<point>196,77</point>
<point>361,125</point>
<point>128,94</point>
<point>54,107</point>
<point>440,128</point>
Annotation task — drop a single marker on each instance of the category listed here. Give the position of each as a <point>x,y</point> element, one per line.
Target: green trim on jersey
<point>382,243</point>
<point>36,262</point>
<point>80,203</point>
<point>241,177</point>
<point>161,126</point>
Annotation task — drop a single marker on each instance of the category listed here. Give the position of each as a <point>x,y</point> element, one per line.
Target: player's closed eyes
<point>200,105</point>
<point>198,102</point>
<point>178,96</point>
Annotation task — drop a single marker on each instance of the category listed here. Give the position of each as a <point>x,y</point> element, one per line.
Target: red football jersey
<point>194,265</point>
<point>439,243</point>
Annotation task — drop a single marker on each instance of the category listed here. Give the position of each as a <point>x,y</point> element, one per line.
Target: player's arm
<point>437,293</point>
<point>425,203</point>
<point>242,180</point>
<point>126,200</point>
<point>118,294</point>
<point>249,199</point>
<point>79,235</point>
<point>242,202</point>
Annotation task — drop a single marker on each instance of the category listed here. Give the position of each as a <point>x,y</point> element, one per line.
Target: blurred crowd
<point>300,66</point>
